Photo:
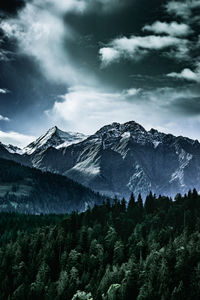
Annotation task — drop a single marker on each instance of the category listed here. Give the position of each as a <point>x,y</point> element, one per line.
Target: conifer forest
<point>114,251</point>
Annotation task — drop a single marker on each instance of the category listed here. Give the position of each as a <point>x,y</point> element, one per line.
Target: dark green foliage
<point>28,190</point>
<point>110,252</point>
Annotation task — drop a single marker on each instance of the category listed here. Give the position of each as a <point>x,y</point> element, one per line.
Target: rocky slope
<point>28,190</point>
<point>54,138</point>
<point>124,158</point>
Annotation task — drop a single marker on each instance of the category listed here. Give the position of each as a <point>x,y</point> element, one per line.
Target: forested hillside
<point>28,190</point>
<point>109,252</point>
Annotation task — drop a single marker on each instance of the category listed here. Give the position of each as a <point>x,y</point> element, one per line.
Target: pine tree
<point>149,203</point>
<point>131,206</point>
<point>123,205</point>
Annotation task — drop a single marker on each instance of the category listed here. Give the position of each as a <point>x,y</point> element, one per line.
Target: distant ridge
<point>118,159</point>
<point>28,190</point>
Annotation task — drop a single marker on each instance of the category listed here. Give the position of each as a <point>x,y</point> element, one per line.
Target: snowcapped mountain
<point>121,158</point>
<point>118,159</point>
<point>13,153</point>
<point>54,137</point>
<point>13,149</point>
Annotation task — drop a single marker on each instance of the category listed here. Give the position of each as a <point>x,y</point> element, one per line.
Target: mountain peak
<point>119,159</point>
<point>128,130</point>
<point>54,137</point>
<point>152,130</point>
<point>53,130</point>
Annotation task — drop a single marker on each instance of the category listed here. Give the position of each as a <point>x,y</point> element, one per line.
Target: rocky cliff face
<point>123,158</point>
<point>54,137</point>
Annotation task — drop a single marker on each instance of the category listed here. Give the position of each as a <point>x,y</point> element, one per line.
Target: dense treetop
<point>109,252</point>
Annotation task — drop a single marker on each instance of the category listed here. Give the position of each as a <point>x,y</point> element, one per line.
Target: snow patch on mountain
<point>13,149</point>
<point>54,138</point>
<point>77,139</point>
<point>184,159</point>
<point>156,143</point>
<point>120,159</point>
<point>126,135</point>
<point>87,168</point>
<point>139,182</point>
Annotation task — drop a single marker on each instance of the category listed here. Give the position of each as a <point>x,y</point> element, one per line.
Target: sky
<point>82,64</point>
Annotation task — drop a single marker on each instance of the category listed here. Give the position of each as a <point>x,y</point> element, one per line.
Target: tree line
<point>114,251</point>
<point>31,191</point>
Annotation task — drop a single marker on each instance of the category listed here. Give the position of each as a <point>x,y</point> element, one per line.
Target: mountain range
<point>29,190</point>
<point>117,160</point>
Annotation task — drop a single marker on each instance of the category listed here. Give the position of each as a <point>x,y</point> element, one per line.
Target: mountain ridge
<point>29,190</point>
<point>54,137</point>
<point>122,158</point>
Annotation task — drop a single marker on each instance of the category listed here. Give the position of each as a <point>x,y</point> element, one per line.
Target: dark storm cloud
<point>128,20</point>
<point>180,100</point>
<point>156,81</point>
<point>49,48</point>
<point>11,7</point>
<point>100,23</point>
<point>187,10</point>
<point>187,106</point>
<point>173,39</point>
<point>30,93</point>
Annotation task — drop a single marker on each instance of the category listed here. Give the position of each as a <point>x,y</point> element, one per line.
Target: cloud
<point>188,106</point>
<point>6,55</point>
<point>4,91</point>
<point>2,118</point>
<point>15,138</point>
<point>109,55</point>
<point>136,47</point>
<point>87,109</point>
<point>187,74</point>
<point>172,29</point>
<point>182,9</point>
<point>131,92</point>
<point>64,6</point>
<point>83,6</point>
<point>40,32</point>
<point>11,7</point>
